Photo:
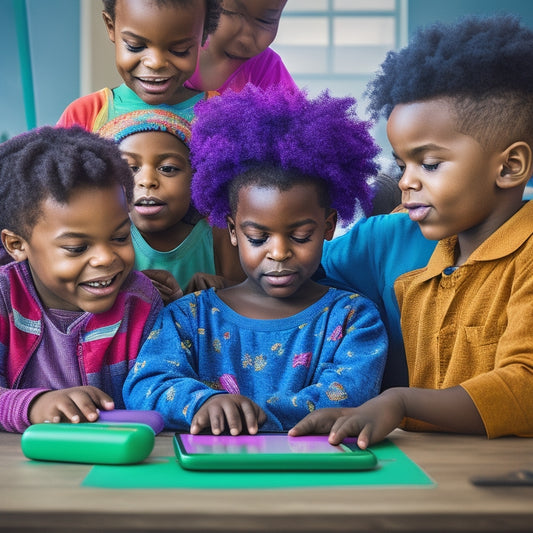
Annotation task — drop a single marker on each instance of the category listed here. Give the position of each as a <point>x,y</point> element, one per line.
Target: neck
<point>250,302</point>
<point>168,239</point>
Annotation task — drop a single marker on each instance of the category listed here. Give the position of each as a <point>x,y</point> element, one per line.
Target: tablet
<point>269,451</point>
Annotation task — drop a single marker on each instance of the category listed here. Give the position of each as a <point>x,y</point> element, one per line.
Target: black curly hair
<point>212,12</point>
<point>53,162</point>
<point>481,64</point>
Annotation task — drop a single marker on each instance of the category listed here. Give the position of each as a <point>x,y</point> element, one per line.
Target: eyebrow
<point>127,33</point>
<point>77,235</point>
<point>272,12</point>
<point>252,224</point>
<point>159,156</point>
<point>419,149</point>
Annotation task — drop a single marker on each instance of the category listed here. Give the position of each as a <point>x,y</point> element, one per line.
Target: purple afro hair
<point>321,138</point>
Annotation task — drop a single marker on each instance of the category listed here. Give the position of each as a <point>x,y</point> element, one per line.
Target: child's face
<point>448,179</point>
<point>246,28</point>
<point>156,47</point>
<point>162,171</point>
<point>80,252</point>
<point>280,235</point>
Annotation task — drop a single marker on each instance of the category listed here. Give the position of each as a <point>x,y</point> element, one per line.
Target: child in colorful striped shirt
<point>73,312</point>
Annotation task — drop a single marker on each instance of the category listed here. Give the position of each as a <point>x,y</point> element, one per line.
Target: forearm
<point>450,409</point>
<point>14,408</point>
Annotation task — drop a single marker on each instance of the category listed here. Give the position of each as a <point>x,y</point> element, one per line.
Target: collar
<point>504,241</point>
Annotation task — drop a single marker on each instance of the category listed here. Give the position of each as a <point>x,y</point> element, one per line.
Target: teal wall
<point>423,12</point>
<point>55,50</point>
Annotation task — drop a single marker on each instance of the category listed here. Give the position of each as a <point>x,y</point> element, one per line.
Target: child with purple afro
<point>277,169</point>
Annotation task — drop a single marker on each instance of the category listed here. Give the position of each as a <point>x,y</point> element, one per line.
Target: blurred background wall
<point>326,44</point>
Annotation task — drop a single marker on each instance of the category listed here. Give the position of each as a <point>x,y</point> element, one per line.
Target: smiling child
<point>238,51</point>
<point>73,312</point>
<point>156,51</point>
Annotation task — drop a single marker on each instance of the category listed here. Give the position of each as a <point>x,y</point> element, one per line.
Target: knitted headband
<point>147,120</point>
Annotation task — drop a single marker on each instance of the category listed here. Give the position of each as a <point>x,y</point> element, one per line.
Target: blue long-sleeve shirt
<point>368,259</point>
<point>331,354</point>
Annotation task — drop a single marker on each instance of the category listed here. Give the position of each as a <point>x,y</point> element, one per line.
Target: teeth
<point>146,202</point>
<point>154,80</point>
<point>100,284</point>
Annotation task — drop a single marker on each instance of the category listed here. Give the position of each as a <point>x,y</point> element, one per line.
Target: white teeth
<point>100,284</point>
<point>147,202</point>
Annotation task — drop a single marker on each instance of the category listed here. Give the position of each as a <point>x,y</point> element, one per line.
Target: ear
<point>232,230</point>
<point>331,224</point>
<point>110,26</point>
<point>516,166</point>
<point>14,245</point>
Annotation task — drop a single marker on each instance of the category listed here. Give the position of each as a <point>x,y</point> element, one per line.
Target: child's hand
<point>165,283</point>
<point>370,422</point>
<point>231,408</point>
<point>201,281</point>
<point>77,404</point>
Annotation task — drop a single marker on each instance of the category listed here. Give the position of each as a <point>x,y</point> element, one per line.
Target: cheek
<point>265,38</point>
<point>128,256</point>
<point>250,255</point>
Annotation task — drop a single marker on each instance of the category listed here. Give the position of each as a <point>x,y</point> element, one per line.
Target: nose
<point>155,59</point>
<point>146,178</point>
<point>103,256</point>
<point>409,180</point>
<point>279,250</point>
<point>244,36</point>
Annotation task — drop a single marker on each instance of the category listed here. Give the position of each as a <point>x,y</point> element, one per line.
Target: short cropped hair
<point>212,12</point>
<point>482,65</point>
<point>52,162</point>
<point>321,139</point>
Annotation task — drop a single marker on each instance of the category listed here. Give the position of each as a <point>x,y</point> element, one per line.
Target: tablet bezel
<point>346,457</point>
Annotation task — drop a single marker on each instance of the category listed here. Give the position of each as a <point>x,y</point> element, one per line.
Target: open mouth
<point>101,287</point>
<point>148,206</point>
<point>148,202</point>
<point>155,81</point>
<point>155,85</point>
<point>100,284</point>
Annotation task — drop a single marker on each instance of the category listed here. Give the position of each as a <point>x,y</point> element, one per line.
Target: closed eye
<point>76,250</point>
<point>256,242</point>
<point>301,240</point>
<point>134,49</point>
<point>181,53</point>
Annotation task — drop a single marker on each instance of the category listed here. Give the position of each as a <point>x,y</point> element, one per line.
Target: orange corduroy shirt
<point>473,325</point>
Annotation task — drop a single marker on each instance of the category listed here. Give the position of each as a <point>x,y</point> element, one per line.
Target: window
<point>339,44</point>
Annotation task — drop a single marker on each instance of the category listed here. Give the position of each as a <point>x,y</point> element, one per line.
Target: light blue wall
<point>55,50</point>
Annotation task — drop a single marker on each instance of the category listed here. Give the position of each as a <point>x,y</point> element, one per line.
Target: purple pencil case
<point>150,418</point>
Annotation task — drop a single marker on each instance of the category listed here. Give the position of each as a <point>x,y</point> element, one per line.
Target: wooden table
<point>48,497</point>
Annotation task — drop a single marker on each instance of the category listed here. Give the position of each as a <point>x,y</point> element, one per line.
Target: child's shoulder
<point>84,110</point>
<point>342,298</point>
<point>139,285</point>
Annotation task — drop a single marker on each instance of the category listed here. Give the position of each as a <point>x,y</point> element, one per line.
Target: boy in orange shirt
<point>459,103</point>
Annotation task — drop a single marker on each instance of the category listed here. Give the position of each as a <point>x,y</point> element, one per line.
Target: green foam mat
<point>394,469</point>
